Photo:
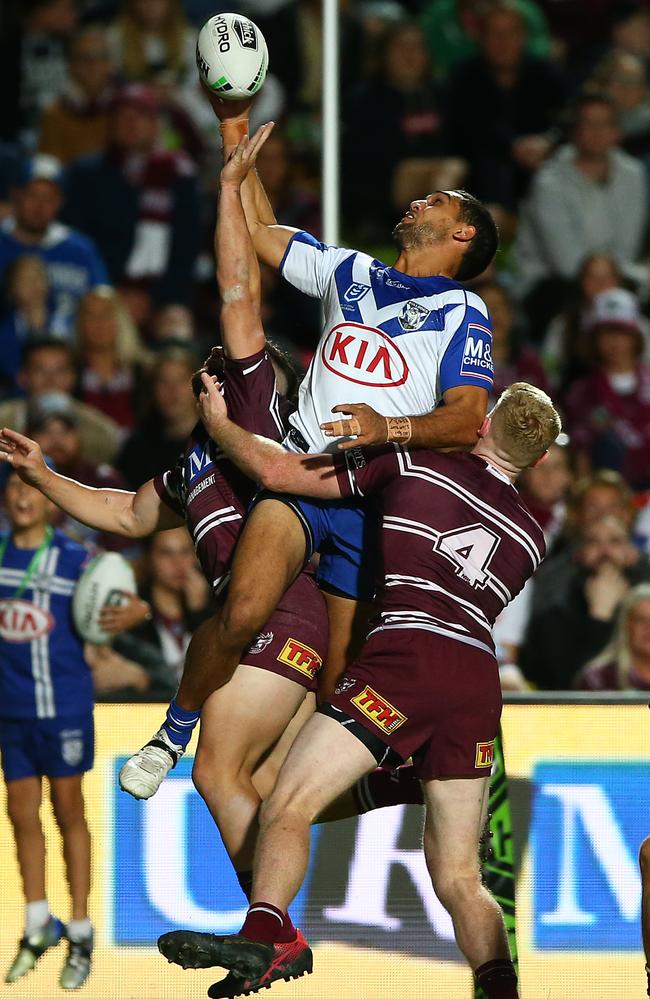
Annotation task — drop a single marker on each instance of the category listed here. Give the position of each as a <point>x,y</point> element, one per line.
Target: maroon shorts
<point>426,697</point>
<point>293,643</point>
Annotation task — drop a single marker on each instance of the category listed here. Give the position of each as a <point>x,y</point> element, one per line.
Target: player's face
<point>429,220</point>
<point>26,507</point>
<point>37,204</point>
<point>638,629</point>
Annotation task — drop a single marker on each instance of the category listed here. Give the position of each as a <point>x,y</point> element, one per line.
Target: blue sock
<point>179,724</point>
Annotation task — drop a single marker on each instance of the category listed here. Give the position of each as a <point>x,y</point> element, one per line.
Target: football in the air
<point>103,582</point>
<point>231,56</point>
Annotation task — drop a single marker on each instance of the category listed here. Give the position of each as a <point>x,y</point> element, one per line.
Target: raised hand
<point>24,455</point>
<point>243,158</point>
<point>211,404</point>
<point>364,424</point>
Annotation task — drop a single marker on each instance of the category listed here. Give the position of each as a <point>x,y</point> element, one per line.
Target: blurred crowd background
<point>109,156</point>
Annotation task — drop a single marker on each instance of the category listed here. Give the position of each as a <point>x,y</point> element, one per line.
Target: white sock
<point>79,929</point>
<point>36,916</point>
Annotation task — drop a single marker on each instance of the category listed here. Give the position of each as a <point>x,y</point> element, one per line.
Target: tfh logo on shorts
<point>364,355</point>
<point>413,316</point>
<point>300,657</point>
<point>477,353</point>
<point>261,642</point>
<point>380,711</point>
<point>484,754</point>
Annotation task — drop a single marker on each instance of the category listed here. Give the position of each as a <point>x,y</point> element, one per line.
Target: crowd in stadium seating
<point>108,166</point>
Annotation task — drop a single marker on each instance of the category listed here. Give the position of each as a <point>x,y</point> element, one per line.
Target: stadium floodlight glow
<point>330,117</point>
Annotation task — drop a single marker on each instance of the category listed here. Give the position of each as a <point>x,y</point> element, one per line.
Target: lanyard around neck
<point>34,562</point>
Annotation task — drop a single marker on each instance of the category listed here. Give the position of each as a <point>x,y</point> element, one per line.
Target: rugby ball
<point>231,56</point>
<point>104,581</point>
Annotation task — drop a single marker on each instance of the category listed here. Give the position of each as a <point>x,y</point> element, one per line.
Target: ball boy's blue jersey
<point>43,673</point>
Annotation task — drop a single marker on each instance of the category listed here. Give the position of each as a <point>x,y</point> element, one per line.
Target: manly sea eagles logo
<point>245,33</point>
<point>345,683</point>
<point>261,642</point>
<point>413,316</point>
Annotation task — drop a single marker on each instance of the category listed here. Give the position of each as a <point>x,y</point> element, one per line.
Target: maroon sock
<point>267,924</point>
<point>382,788</point>
<point>498,979</point>
<point>245,879</point>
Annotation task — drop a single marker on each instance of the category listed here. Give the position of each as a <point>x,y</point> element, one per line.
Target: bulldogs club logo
<point>261,642</point>
<point>413,316</point>
<point>72,747</point>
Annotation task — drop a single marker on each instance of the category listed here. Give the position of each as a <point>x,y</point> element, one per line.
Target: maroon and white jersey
<point>457,541</point>
<point>206,488</point>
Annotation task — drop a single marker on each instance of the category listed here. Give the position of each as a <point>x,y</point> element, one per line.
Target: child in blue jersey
<point>46,722</point>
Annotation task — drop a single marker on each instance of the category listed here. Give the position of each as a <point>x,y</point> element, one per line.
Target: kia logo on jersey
<point>364,355</point>
<point>21,621</point>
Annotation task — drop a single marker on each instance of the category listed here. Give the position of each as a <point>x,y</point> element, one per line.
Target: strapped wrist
<point>398,429</point>
<point>233,130</point>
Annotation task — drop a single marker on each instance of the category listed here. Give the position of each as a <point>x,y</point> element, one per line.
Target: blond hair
<point>524,423</point>
<point>617,650</point>
<point>129,345</point>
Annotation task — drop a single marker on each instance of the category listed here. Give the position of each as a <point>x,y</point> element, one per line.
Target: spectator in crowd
<point>107,382</point>
<point>631,30</point>
<point>146,220</point>
<point>76,123</point>
<point>73,264</point>
<point>608,411</point>
<point>49,366</point>
<point>151,41</point>
<point>502,104</point>
<point>53,423</point>
<point>32,63</point>
<point>129,670</point>
<point>624,663</point>
<point>452,29</point>
<point>178,595</point>
<point>604,493</point>
<point>575,601</point>
<point>173,323</point>
<point>513,360</point>
<point>395,122</point>
<point>566,347</point>
<point>160,436</point>
<point>293,204</point>
<point>624,79</point>
<point>26,294</point>
<point>11,170</point>
<point>588,197</point>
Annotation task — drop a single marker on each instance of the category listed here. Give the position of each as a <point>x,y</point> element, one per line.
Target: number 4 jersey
<point>391,340</point>
<point>457,541</point>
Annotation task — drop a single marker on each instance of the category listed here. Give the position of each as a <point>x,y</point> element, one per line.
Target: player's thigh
<point>269,555</point>
<point>323,762</point>
<point>266,773</point>
<point>456,811</point>
<point>242,720</point>
<point>23,801</point>
<point>348,626</point>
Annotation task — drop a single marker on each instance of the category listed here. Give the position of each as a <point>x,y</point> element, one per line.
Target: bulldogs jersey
<point>390,340</point>
<point>43,673</point>
<point>206,488</point>
<point>457,541</point>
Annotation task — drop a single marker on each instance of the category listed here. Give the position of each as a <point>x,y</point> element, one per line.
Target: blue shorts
<point>346,536</point>
<point>47,747</point>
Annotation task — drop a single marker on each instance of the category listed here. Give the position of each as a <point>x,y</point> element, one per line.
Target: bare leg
<point>23,808</point>
<point>266,774</point>
<point>348,625</point>
<point>269,556</point>
<point>644,863</point>
<point>239,724</point>
<point>455,819</point>
<point>324,761</point>
<point>68,805</point>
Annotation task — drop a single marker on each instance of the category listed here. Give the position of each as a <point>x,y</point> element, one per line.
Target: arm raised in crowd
<point>132,515</point>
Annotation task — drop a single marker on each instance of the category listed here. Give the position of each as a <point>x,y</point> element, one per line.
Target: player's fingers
<point>210,383</point>
<point>258,140</point>
<point>348,445</point>
<point>341,428</point>
<point>15,438</point>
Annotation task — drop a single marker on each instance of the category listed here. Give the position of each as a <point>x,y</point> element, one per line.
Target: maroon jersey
<point>457,541</point>
<point>206,488</point>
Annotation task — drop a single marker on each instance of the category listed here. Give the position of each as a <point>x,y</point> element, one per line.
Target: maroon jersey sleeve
<point>251,396</point>
<point>169,484</point>
<point>360,472</point>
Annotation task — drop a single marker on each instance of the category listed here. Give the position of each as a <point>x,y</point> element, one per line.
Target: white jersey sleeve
<point>309,264</point>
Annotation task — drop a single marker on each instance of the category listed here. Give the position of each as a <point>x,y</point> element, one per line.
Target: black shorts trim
<point>384,755</point>
<point>293,504</point>
<point>336,591</point>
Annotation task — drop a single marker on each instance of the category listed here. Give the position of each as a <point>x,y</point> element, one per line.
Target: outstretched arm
<point>132,515</point>
<point>238,272</point>
<point>456,424</point>
<point>261,459</point>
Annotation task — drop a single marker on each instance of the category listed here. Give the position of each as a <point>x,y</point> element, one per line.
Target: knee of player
<point>240,621</point>
<point>68,812</point>
<point>286,804</point>
<point>454,884</point>
<point>21,812</point>
<point>644,857</point>
<point>209,777</point>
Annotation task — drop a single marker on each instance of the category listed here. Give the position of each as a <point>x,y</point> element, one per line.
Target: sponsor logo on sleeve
<point>413,316</point>
<point>477,353</point>
<point>381,712</point>
<point>484,754</point>
<point>21,621</point>
<point>300,657</point>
